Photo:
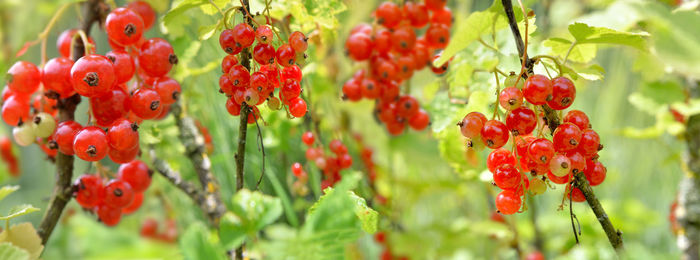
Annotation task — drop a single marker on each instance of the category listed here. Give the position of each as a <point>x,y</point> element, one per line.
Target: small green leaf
<point>251,212</point>
<point>198,243</point>
<point>24,236</point>
<point>207,31</point>
<point>7,190</point>
<point>181,8</point>
<point>231,230</point>
<point>584,33</point>
<point>580,53</point>
<point>663,92</point>
<point>368,216</point>
<point>592,72</point>
<point>210,9</point>
<point>10,252</point>
<point>19,210</point>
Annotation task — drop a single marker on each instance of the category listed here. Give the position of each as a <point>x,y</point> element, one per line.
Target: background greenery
<point>439,205</point>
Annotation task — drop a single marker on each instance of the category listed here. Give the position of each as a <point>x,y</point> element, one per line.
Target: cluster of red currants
<point>242,86</point>
<point>149,229</point>
<point>573,148</point>
<point>114,105</point>
<point>330,165</point>
<point>123,195</point>
<point>366,153</point>
<point>394,52</point>
<point>380,238</point>
<point>8,156</point>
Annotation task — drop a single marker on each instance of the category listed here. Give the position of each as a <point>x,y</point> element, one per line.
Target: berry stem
<point>174,177</point>
<point>94,10</point>
<point>553,121</point>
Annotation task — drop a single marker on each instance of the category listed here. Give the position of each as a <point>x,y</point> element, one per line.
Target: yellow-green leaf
<point>19,210</point>
<point>10,252</point>
<point>24,236</point>
<point>579,53</point>
<point>7,190</point>
<point>584,33</point>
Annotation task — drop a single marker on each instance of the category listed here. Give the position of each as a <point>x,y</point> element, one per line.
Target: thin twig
<point>261,147</point>
<point>175,178</point>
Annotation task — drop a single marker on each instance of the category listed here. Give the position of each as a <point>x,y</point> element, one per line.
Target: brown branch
<point>553,121</point>
<point>95,11</point>
<point>195,149</point>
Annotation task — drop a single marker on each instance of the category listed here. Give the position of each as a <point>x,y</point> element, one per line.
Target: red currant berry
<point>124,156</point>
<point>522,143</point>
<point>110,106</point>
<point>421,56</point>
<point>273,74</point>
<point>388,14</point>
<point>589,143</point>
<point>157,57</point>
<point>417,14</point>
<point>558,180</point>
<point>435,5</point>
<point>134,205</point>
<point>110,216</point>
<point>145,11</point>
<point>560,165</point>
<point>228,62</point>
<point>239,76</point>
<point>124,67</point>
<point>251,97</point>
<point>521,121</point>
<point>228,43</point>
<point>359,46</point>
<point>595,172</point>
<point>541,151</point>
<point>290,90</point>
<point>472,124</point>
<point>370,89</point>
<point>297,170</point>
<point>563,93</point>
<point>264,34</point>
<point>23,77</point>
<point>124,26</point>
<point>93,75</point>
<point>407,106</point>
<point>297,107</point>
<point>576,195</point>
<point>90,144</point>
<point>511,98</point>
<point>437,36</point>
<point>89,190</point>
<point>404,39</point>
<point>577,118</point>
<point>442,16</point>
<point>264,54</point>
<point>65,134</point>
<point>298,41</point>
<point>244,35</point>
<point>499,157</point>
<point>285,55</point>
<point>168,89</point>
<point>56,76</point>
<point>389,91</point>
<point>508,202</point>
<point>308,138</point>
<point>118,194</point>
<point>146,103</point>
<point>63,42</point>
<point>15,110</point>
<point>405,66</point>
<point>439,70</point>
<point>566,137</point>
<point>537,89</point>
<point>233,107</point>
<point>137,174</point>
<point>291,72</point>
<point>420,120</point>
<point>362,28</point>
<point>385,70</point>
<point>123,135</point>
<point>494,134</point>
<point>578,161</point>
<point>352,90</point>
<point>507,177</point>
<point>382,40</point>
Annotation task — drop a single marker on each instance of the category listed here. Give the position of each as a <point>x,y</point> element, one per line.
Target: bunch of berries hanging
<point>125,86</point>
<point>257,83</point>
<point>329,164</point>
<point>573,147</point>
<point>394,52</point>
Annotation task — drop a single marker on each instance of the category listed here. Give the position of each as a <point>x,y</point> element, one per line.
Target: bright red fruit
<point>407,106</point>
<point>595,172</point>
<point>146,103</point>
<point>110,216</point>
<point>239,76</point>
<point>404,39</point>
<point>541,151</point>
<point>298,41</point>
<point>110,106</point>
<point>264,34</point>
<point>521,121</point>
<point>134,205</point>
<point>244,35</point>
<point>563,93</point>
<point>537,89</point>
<point>589,143</point>
<point>89,190</point>
<point>137,174</point>
<point>264,54</point>
<point>64,39</point>
<point>124,156</point>
<point>291,72</point>
<point>576,195</point>
<point>308,138</point>
<point>508,202</point>
<point>352,90</point>
<point>92,75</point>
<point>144,10</point>
<point>359,46</point>
<point>65,134</point>
<point>15,109</point>
<point>118,194</point>
<point>417,14</point>
<point>297,107</point>
<point>566,137</point>
<point>124,26</point>
<point>56,76</point>
<point>578,161</point>
<point>472,124</point>
<point>124,66</point>
<point>228,43</point>
<point>437,36</point>
<point>168,89</point>
<point>494,134</point>
<point>442,16</point>
<point>157,57</point>
<point>499,157</point>
<point>507,177</point>
<point>90,144</point>
<point>435,5</point>
<point>577,118</point>
<point>511,98</point>
<point>23,77</point>
<point>123,135</point>
<point>420,120</point>
<point>285,55</point>
<point>388,14</point>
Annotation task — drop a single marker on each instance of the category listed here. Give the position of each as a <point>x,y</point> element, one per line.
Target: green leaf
<point>198,243</point>
<point>181,8</point>
<point>19,210</point>
<point>207,31</point>
<point>592,72</point>
<point>7,190</point>
<point>580,53</point>
<point>584,33</point>
<point>10,252</point>
<point>251,212</point>
<point>24,236</point>
<point>210,9</point>
<point>368,216</point>
<point>663,92</point>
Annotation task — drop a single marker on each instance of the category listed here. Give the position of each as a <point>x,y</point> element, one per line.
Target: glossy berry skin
<point>508,202</point>
<point>359,46</point>
<point>566,137</point>
<point>507,177</point>
<point>264,54</point>
<point>264,34</point>
<point>595,172</point>
<point>134,205</point>
<point>298,41</point>
<point>168,89</point>
<point>382,40</point>
<point>92,75</point>
<point>494,134</point>
<point>56,76</point>
<point>407,106</point>
<point>110,106</point>
<point>23,77</point>
<point>145,11</point>
<point>521,121</point>
<point>537,89</point>
<point>135,173</point>
<point>89,190</point>
<point>420,120</point>
<point>124,156</point>
<point>109,216</point>
<point>352,90</point>
<point>560,165</point>
<point>290,90</point>
<point>578,118</point>
<point>404,39</point>
<point>510,98</point>
<point>273,74</point>
<point>15,110</point>
<point>472,124</point>
<point>239,76</point>
<point>388,14</point>
<point>442,16</point>
<point>589,143</point>
<point>558,180</point>
<point>118,193</point>
<point>228,43</point>
<point>63,42</point>
<point>541,151</point>
<point>259,82</point>
<point>336,146</point>
<point>438,36</point>
<point>576,195</point>
<point>146,103</point>
<point>499,157</point>
<point>65,134</point>
<point>228,62</point>
<point>157,57</point>
<point>563,93</point>
<point>124,66</point>
<point>297,170</point>
<point>435,5</point>
<point>291,72</point>
<point>417,14</point>
<point>578,161</point>
<point>123,135</point>
<point>90,144</point>
<point>243,34</point>
<point>124,26</point>
<point>233,107</point>
<point>308,138</point>
<point>297,107</point>
<point>285,55</point>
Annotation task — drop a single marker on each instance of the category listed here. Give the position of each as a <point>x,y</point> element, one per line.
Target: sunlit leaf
<point>7,190</point>
<point>580,53</point>
<point>198,243</point>
<point>10,252</point>
<point>584,33</point>
<point>24,236</point>
<point>19,210</point>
